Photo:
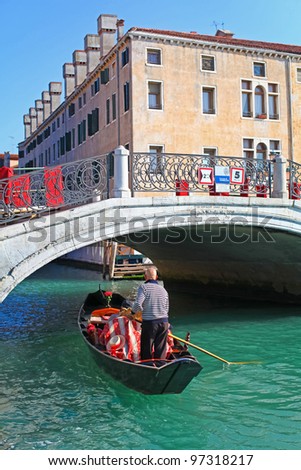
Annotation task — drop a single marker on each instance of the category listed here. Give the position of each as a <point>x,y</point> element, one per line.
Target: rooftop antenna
<point>218,25</point>
<point>215,24</point>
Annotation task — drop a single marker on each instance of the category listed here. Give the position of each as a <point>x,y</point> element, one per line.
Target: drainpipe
<point>290,108</point>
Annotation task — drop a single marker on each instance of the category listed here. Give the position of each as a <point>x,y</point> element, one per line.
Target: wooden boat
<point>156,377</point>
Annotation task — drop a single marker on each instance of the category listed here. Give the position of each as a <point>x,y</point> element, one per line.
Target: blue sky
<point>37,37</point>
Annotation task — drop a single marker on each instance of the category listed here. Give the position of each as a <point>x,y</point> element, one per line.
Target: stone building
<point>165,91</point>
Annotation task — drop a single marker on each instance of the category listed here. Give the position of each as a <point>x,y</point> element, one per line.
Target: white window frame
<point>154,49</point>
<point>161,95</point>
<point>248,149</point>
<point>207,147</point>
<point>265,69</point>
<point>201,64</point>
<point>265,85</point>
<point>213,88</point>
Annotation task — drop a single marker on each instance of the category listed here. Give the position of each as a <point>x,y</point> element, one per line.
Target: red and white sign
<point>237,175</point>
<point>206,176</point>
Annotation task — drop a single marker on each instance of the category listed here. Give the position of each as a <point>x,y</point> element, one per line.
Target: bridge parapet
<point>62,186</point>
<point>216,175</point>
<point>84,181</point>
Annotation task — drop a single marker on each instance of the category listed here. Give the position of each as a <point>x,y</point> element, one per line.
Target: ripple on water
<point>53,396</point>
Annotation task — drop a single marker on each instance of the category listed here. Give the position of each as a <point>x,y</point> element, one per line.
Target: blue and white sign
<point>222,179</point>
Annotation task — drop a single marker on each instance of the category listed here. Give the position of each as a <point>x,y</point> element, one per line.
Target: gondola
<point>149,377</point>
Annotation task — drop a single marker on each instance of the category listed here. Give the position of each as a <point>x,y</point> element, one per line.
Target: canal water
<point>53,396</point>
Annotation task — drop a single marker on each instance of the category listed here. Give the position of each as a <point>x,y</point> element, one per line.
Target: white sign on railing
<point>206,176</point>
<point>222,179</point>
<point>237,175</point>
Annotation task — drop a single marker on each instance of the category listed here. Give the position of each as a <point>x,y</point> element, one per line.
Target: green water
<point>53,396</point>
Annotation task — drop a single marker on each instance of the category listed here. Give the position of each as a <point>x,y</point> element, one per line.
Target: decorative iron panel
<point>61,186</point>
<point>153,172</point>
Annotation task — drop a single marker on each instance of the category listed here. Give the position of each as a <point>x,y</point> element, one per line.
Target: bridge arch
<point>209,243</point>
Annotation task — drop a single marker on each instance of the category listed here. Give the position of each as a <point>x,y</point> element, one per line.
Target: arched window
<point>261,151</point>
<point>260,108</point>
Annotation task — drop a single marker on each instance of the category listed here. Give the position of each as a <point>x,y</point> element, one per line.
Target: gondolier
<point>153,301</point>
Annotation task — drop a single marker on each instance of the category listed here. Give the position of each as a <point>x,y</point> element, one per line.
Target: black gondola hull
<point>172,377</point>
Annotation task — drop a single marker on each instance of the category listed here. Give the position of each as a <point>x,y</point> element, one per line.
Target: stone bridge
<point>236,244</point>
<point>243,246</point>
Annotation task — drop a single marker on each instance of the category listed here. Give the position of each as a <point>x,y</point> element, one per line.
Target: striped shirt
<point>152,300</point>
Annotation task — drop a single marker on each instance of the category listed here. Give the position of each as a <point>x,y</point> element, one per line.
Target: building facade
<point>164,91</point>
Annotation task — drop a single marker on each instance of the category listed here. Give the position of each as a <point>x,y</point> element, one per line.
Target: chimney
<point>33,119</point>
<point>55,91</point>
<point>80,66</point>
<point>92,49</point>
<point>39,111</point>
<point>26,122</point>
<point>6,159</point>
<point>120,28</point>
<point>46,104</point>
<point>224,33</point>
<point>106,29</point>
<point>69,77</point>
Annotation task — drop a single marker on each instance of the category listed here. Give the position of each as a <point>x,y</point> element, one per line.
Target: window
<point>208,63</point>
<point>154,95</point>
<point>81,132</point>
<point>274,147</point>
<point>80,102</point>
<point>248,148</point>
<point>62,145</point>
<point>93,122</point>
<point>260,110</point>
<point>84,99</point>
<point>208,95</point>
<point>124,57</point>
<point>262,101</point>
<point>104,76</point>
<point>246,86</point>
<point>71,109</point>
<point>95,87</point>
<point>108,110</point>
<point>273,101</point>
<point>154,56</point>
<point>156,160</point>
<point>114,106</point>
<point>126,96</point>
<point>259,69</point>
<point>261,151</point>
<point>113,69</point>
<point>211,151</point>
<point>68,141</point>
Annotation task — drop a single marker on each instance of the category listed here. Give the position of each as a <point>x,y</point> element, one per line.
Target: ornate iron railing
<point>294,179</point>
<point>35,192</point>
<point>81,181</point>
<point>171,172</point>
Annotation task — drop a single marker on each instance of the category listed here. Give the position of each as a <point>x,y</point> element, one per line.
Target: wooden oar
<point>208,352</point>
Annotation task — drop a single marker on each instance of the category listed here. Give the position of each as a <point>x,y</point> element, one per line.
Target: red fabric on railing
<point>54,186</point>
<point>5,186</point>
<point>21,191</point>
